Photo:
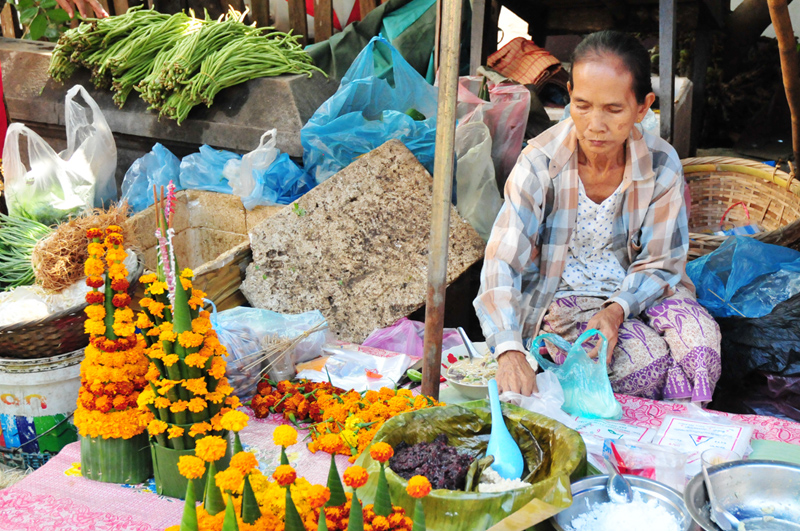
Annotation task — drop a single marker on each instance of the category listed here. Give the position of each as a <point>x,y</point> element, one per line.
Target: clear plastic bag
<point>156,168</point>
<point>59,185</point>
<point>478,197</point>
<point>204,170</point>
<point>368,110</point>
<point>587,389</point>
<point>240,172</point>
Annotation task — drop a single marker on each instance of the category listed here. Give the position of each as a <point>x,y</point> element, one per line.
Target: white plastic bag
<point>478,199</point>
<point>546,401</point>
<point>348,370</point>
<point>240,172</point>
<point>61,184</point>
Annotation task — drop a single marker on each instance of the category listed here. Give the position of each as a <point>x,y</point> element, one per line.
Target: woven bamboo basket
<point>770,196</point>
<point>55,334</point>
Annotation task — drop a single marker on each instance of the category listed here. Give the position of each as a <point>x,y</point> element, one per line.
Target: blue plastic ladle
<point>508,460</point>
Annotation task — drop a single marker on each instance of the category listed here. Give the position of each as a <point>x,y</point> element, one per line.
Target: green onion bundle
<point>175,62</point>
<point>18,237</point>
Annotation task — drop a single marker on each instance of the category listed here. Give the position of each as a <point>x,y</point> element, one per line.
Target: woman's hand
<point>515,374</point>
<point>67,5</point>
<point>608,320</point>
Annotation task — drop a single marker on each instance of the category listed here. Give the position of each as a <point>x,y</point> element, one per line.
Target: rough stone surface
<point>356,246</point>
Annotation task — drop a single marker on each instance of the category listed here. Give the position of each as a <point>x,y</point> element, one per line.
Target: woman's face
<point>603,104</point>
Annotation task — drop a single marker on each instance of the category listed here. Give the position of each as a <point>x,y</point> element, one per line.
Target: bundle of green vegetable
<point>18,237</point>
<point>175,62</point>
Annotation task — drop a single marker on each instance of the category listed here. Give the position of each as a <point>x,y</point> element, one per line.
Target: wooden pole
<point>442,189</point>
<point>779,13</point>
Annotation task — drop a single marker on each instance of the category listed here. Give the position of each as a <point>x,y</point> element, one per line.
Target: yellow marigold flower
<point>157,426</point>
<point>217,369</point>
<point>170,359</point>
<point>234,420</point>
<point>96,249</point>
<point>190,339</point>
<point>157,288</point>
<point>284,435</point>
<point>233,402</point>
<point>191,467</point>
<point>355,477</point>
<point>284,475</point>
<point>196,360</point>
<point>147,396</point>
<point>93,267</point>
<point>117,271</point>
<point>349,438</point>
<point>179,406</point>
<point>195,385</point>
<point>167,334</point>
<point>381,452</point>
<point>318,496</point>
<point>174,432</point>
<point>352,422</point>
<point>148,278</point>
<point>211,448</point>
<point>143,321</point>
<point>229,479</point>
<point>162,402</point>
<point>197,404</point>
<point>95,311</point>
<point>380,523</point>
<point>124,329</point>
<point>94,327</point>
<point>244,461</point>
<point>199,429</point>
<point>187,273</point>
<point>329,443</point>
<point>418,487</point>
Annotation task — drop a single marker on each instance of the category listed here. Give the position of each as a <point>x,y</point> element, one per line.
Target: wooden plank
<point>476,39</point>
<point>238,5</point>
<point>260,12</point>
<point>367,6</point>
<point>7,22</point>
<point>323,20</point>
<point>297,19</point>
<point>666,66</point>
<point>703,41</point>
<point>121,6</point>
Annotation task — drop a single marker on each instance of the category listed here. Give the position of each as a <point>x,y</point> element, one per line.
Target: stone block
<point>356,246</point>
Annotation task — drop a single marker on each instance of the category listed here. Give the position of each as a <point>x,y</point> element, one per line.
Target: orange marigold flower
<point>196,360</point>
<point>111,229</point>
<point>94,327</point>
<point>96,312</point>
<point>211,448</point>
<point>199,429</point>
<point>113,239</point>
<point>186,283</point>
<point>190,339</point>
<point>234,420</point>
<point>284,435</point>
<point>329,443</point>
<point>162,402</point>
<point>418,487</point>
<point>94,233</point>
<point>381,452</point>
<point>355,477</point>
<point>156,309</point>
<point>120,284</point>
<point>95,282</point>
<point>95,297</point>
<point>147,278</point>
<point>119,402</point>
<point>180,405</point>
<point>201,325</point>
<point>197,404</point>
<point>229,479</point>
<point>174,432</point>
<point>380,523</point>
<point>318,496</point>
<point>196,386</point>
<point>217,369</point>
<point>170,359</point>
<point>244,461</point>
<point>191,467</point>
<point>284,475</point>
<point>121,300</point>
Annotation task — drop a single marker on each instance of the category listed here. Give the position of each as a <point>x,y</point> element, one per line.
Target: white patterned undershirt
<point>592,269</point>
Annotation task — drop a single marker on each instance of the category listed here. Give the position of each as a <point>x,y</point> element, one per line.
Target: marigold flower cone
<point>383,502</point>
<point>230,523</point>
<point>293,521</point>
<point>250,510</point>
<point>335,485</point>
<point>189,519</point>
<point>212,501</point>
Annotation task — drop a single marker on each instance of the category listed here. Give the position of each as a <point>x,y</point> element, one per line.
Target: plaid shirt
<point>527,250</point>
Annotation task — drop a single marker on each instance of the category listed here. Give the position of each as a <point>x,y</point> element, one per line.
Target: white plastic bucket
<point>40,387</point>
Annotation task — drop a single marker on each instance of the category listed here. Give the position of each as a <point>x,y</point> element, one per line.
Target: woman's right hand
<point>515,374</point>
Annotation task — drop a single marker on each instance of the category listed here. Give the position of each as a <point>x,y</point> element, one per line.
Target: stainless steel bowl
<point>763,494</point>
<point>593,490</point>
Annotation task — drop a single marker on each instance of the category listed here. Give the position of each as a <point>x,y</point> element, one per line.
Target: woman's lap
<point>671,351</point>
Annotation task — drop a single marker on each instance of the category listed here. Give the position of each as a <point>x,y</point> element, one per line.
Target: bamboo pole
<point>442,188</point>
<point>779,13</point>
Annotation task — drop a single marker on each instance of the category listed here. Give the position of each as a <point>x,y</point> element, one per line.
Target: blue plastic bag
<point>367,111</point>
<point>745,277</point>
<point>587,389</point>
<point>203,171</point>
<point>156,168</point>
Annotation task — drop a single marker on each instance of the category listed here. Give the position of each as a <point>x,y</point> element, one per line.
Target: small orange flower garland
<point>113,370</point>
<point>295,401</point>
<point>354,420</point>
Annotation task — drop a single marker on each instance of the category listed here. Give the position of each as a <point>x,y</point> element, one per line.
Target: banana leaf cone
<point>383,502</point>
<point>419,517</point>
<point>250,510</point>
<point>356,520</point>
<point>189,519</point>
<point>293,521</point>
<point>237,444</point>
<point>284,457</point>
<point>230,523</point>
<point>335,486</point>
<point>212,501</point>
<point>323,524</point>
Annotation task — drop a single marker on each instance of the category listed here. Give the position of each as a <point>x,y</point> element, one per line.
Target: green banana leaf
<point>553,455</point>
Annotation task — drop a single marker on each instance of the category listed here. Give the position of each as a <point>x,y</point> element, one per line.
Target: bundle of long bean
<point>175,62</point>
<point>18,237</point>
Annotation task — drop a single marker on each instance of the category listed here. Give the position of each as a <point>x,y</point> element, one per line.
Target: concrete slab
<point>356,246</point>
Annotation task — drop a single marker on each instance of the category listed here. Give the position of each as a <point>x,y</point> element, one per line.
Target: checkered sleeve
<point>512,253</point>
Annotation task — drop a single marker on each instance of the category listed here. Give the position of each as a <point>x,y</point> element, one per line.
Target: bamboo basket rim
<point>749,167</point>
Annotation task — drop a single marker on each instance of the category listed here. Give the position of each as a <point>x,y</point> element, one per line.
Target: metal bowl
<point>763,494</point>
<point>593,490</point>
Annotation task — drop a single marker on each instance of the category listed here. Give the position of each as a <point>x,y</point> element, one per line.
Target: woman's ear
<point>643,108</point>
<point>569,89</point>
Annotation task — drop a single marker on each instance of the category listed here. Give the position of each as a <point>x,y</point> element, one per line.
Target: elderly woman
<point>593,234</point>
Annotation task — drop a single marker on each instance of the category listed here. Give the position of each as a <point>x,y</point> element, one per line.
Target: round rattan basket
<point>55,334</point>
<point>770,196</point>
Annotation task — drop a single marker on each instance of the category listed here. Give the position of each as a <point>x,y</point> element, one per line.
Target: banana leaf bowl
<point>554,456</point>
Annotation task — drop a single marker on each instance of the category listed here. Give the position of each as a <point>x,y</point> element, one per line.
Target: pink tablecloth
<point>56,498</point>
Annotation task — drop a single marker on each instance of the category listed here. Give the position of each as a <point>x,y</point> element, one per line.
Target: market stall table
<point>56,498</point>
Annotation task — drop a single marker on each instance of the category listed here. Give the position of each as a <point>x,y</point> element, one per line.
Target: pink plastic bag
<point>406,337</point>
<point>506,116</point>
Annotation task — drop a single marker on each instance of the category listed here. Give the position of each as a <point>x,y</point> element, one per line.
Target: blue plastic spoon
<point>507,455</point>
